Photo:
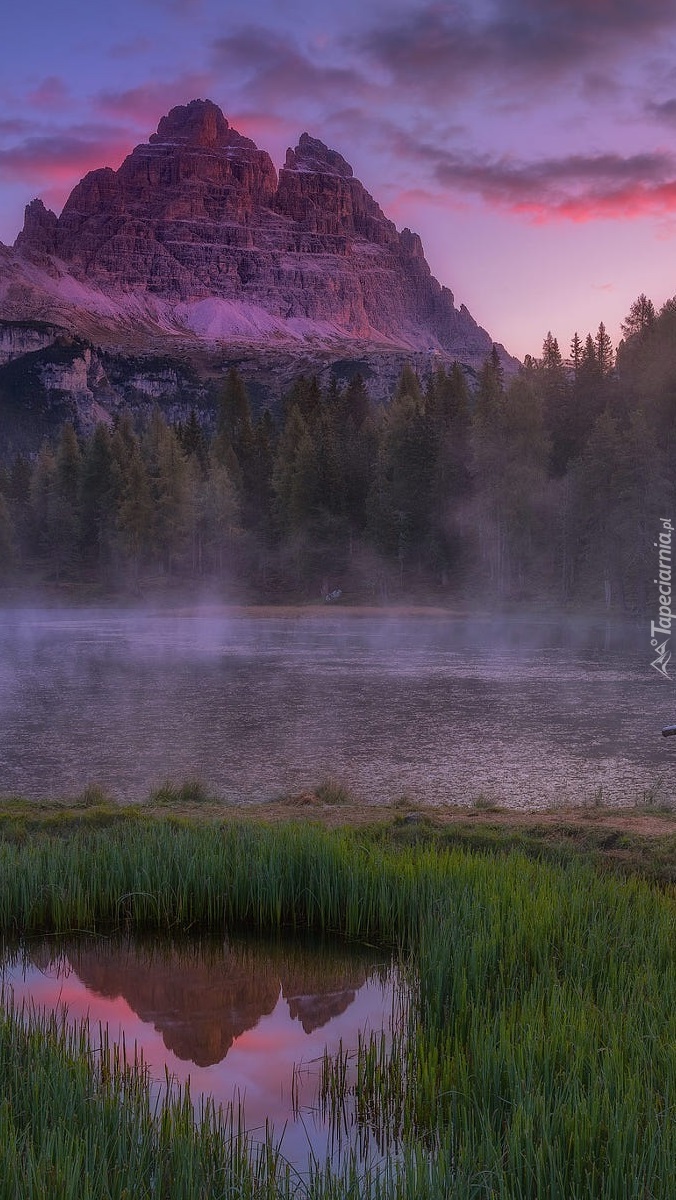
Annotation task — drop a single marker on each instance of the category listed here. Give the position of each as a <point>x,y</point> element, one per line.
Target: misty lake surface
<point>524,712</point>
<point>246,1020</point>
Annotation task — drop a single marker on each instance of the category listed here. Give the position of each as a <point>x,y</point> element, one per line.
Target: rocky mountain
<point>198,251</point>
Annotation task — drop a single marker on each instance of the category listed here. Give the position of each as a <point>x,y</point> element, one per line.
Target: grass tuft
<point>332,791</point>
<point>172,795</point>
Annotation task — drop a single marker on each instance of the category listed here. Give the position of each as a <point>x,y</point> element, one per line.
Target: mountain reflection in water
<point>236,1019</point>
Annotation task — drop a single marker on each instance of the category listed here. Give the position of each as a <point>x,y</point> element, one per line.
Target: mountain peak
<point>312,155</point>
<point>39,229</point>
<point>196,232</point>
<point>198,123</point>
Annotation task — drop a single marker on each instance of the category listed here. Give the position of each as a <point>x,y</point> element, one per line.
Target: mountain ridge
<point>199,213</point>
<point>196,249</point>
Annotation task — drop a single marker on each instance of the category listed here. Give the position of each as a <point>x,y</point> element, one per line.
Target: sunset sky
<point>531,143</point>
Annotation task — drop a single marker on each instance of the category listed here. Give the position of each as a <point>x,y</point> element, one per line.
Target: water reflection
<point>528,713</point>
<point>241,1019</point>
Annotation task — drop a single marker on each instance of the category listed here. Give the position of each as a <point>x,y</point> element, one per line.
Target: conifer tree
<point>490,392</point>
<point>171,496</point>
<point>408,384</point>
<point>218,526</point>
<point>400,498</point>
<point>295,477</point>
<point>575,353</point>
<point>7,544</point>
<point>99,486</point>
<point>355,401</point>
<point>53,518</point>
<point>640,318</point>
<point>604,350</point>
<point>69,466</point>
<point>554,387</point>
<point>135,509</point>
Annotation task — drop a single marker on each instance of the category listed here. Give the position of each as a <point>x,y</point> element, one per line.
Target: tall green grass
<point>539,1054</point>
<point>77,1123</point>
<point>167,875</point>
<point>536,1058</point>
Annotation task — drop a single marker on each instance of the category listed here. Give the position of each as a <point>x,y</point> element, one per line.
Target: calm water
<point>245,1021</point>
<point>522,712</point>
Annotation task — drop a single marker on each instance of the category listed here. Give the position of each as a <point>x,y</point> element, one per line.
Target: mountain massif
<point>197,254</point>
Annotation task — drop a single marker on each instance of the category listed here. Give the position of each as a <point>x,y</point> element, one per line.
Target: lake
<point>523,712</point>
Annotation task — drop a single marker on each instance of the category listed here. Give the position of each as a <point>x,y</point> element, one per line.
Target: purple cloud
<point>65,155</point>
<point>145,104</point>
<point>272,69</point>
<point>575,187</point>
<point>664,111</point>
<point>50,94</point>
<point>444,45</point>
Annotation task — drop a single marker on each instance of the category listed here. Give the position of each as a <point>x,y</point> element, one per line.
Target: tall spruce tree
<point>7,543</point>
<point>99,487</point>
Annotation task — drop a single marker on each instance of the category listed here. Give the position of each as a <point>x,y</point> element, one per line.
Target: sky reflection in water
<point>234,1018</point>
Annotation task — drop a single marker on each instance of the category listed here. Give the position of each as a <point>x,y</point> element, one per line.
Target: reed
<point>536,1057</point>
<point>77,1121</point>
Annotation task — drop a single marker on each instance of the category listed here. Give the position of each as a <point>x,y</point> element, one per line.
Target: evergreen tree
<point>593,504</point>
<point>589,396</point>
<point>53,520</point>
<point>576,354</point>
<point>408,384</point>
<point>295,477</point>
<point>7,545</point>
<point>604,350</point>
<point>234,413</point>
<point>552,384</point>
<point>490,392</point>
<point>640,318</point>
<point>255,492</point>
<point>510,461</point>
<point>135,510</point>
<point>217,529</point>
<point>99,484</point>
<point>400,499</point>
<point>169,488</point>
<point>20,480</point>
<point>234,444</point>
<point>69,466</point>
<point>305,395</point>
<point>193,442</point>
<point>355,401</point>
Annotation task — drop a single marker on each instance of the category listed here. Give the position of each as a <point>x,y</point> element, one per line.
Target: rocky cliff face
<point>196,253</point>
<point>196,238</point>
<point>23,337</point>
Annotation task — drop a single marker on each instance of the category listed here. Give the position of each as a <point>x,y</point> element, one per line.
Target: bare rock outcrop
<point>197,236</point>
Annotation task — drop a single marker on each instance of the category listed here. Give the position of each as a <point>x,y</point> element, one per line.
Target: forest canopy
<point>547,487</point>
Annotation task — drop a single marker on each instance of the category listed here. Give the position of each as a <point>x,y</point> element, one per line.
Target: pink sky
<point>531,145</point>
<point>258,1067</point>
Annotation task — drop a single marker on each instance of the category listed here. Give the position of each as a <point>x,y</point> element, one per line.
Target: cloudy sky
<point>531,143</point>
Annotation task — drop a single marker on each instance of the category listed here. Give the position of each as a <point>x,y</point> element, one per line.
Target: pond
<point>523,712</point>
<point>245,1020</point>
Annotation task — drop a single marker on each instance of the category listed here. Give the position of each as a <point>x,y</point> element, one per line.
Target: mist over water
<point>523,712</point>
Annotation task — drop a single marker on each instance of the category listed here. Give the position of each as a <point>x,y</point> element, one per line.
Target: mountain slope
<point>197,242</point>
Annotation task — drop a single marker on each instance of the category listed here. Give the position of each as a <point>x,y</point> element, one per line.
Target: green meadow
<point>536,1056</point>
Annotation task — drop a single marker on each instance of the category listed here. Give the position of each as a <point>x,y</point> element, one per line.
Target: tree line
<point>545,487</point>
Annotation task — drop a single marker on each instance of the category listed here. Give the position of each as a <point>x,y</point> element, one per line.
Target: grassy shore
<point>633,840</point>
<point>537,1057</point>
